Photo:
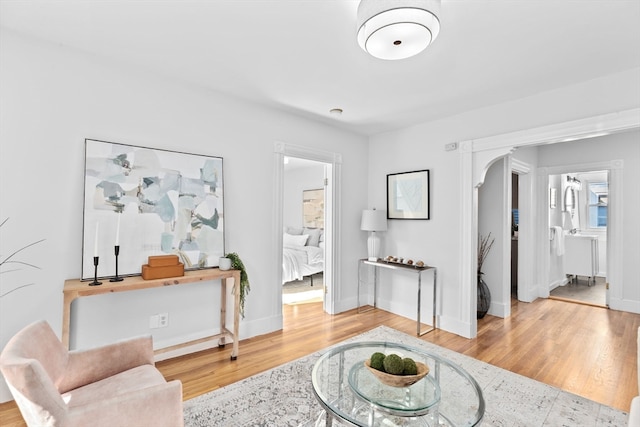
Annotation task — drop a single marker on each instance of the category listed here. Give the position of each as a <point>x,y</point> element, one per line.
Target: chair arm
<point>88,366</point>
<point>158,406</point>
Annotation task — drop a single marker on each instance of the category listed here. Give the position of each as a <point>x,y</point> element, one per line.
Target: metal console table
<point>399,267</point>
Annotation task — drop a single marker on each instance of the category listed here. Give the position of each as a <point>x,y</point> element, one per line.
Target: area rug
<point>283,396</point>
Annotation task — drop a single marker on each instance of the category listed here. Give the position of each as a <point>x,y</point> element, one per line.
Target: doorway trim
<point>477,155</point>
<point>526,230</point>
<point>332,233</point>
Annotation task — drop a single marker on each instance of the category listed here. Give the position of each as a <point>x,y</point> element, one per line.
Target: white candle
<point>95,242</point>
<point>118,231</point>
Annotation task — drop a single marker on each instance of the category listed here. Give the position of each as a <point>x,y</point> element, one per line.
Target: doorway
<point>478,154</point>
<point>303,231</point>
<point>578,217</point>
<point>332,190</point>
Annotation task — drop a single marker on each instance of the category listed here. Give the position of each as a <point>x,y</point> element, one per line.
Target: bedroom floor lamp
<point>372,221</point>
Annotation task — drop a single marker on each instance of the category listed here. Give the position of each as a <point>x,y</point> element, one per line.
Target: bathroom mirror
<point>569,199</point>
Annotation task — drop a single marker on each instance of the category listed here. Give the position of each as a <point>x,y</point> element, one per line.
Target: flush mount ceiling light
<point>397,29</point>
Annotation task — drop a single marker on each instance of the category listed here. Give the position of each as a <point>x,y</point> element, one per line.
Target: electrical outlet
<point>154,322</point>
<point>163,320</point>
<point>159,321</point>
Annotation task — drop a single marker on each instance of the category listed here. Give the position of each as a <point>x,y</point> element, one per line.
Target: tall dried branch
<point>484,246</point>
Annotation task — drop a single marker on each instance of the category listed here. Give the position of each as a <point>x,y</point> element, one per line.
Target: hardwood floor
<point>589,351</point>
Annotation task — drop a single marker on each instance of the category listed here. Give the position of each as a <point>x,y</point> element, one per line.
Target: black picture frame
<point>408,195</point>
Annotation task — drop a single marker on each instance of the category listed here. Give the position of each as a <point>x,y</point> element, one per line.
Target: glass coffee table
<point>351,394</point>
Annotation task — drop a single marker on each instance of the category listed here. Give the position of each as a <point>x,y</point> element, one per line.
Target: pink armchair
<point>113,385</point>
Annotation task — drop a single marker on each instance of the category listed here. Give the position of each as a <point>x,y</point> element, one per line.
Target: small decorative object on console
<point>400,260</point>
<point>162,266</point>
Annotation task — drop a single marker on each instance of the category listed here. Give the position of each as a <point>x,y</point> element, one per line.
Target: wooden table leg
<point>223,311</point>
<point>236,315</point>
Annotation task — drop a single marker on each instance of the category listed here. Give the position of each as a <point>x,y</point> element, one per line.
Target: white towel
<point>557,241</point>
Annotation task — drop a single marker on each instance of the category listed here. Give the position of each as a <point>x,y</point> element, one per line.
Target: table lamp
<point>372,221</point>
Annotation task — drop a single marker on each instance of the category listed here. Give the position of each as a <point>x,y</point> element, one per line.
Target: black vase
<point>484,297</point>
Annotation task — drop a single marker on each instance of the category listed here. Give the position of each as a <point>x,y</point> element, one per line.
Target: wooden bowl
<point>398,380</point>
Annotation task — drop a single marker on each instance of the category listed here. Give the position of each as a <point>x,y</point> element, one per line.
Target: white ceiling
<point>302,56</point>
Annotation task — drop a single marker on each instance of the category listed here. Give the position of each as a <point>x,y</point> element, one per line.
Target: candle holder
<point>95,274</point>
<point>116,278</point>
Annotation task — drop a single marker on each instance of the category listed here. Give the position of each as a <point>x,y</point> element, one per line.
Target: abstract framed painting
<point>146,202</point>
<point>313,208</point>
<point>408,195</point>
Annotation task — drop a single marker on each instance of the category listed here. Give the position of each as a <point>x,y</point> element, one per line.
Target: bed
<point>302,253</point>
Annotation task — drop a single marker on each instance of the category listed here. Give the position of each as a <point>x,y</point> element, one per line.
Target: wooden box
<point>163,260</point>
<point>161,272</point>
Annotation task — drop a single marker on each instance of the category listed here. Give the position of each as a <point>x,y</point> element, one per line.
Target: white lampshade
<point>397,29</point>
<point>373,220</point>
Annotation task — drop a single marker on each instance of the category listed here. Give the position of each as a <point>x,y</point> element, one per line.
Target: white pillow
<point>314,236</point>
<point>289,240</point>
<point>293,231</point>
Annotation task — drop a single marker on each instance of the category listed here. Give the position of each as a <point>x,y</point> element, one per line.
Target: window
<point>598,200</point>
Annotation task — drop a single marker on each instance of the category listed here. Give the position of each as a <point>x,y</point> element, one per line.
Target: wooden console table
<point>76,288</point>
<point>399,267</point>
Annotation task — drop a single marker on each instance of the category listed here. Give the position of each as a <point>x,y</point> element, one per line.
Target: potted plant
<point>237,264</point>
<point>484,295</point>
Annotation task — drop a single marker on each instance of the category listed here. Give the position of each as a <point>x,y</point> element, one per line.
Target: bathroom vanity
<point>581,256</point>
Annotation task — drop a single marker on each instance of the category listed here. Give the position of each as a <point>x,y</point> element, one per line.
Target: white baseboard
<point>557,283</point>
<point>498,309</point>
<point>247,329</point>
<point>449,324</point>
<point>624,305</point>
<point>455,326</point>
<point>351,303</point>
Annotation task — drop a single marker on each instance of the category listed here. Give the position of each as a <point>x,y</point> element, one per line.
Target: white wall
<point>53,98</point>
<point>295,182</point>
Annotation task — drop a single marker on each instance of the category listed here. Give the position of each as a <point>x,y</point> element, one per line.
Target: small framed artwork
<point>408,195</point>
